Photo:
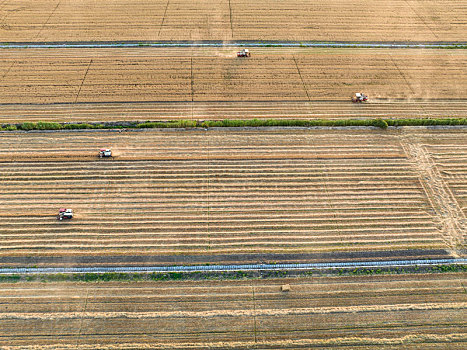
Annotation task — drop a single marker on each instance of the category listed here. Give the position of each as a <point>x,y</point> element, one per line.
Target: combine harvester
<point>65,214</point>
<point>359,98</point>
<point>244,53</point>
<point>105,153</point>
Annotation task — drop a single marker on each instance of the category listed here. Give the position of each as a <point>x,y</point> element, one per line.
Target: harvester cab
<point>359,97</point>
<point>244,53</point>
<point>105,153</point>
<point>65,214</point>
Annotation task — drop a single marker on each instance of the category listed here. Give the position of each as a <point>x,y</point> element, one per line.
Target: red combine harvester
<point>359,97</point>
<point>244,53</point>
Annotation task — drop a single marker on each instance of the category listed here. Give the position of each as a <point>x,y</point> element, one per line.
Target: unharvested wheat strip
<point>193,236</point>
<point>123,252</point>
<point>143,250</point>
<point>222,245</point>
<point>137,224</point>
<point>85,224</point>
<point>319,214</point>
<point>155,232</point>
<point>228,171</point>
<point>156,243</point>
<point>415,226</point>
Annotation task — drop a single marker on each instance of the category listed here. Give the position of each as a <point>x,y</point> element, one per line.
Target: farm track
<point>299,20</point>
<point>217,192</point>
<point>76,85</point>
<point>320,312</point>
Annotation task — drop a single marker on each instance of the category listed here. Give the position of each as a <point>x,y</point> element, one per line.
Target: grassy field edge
<point>376,122</point>
<point>227,275</point>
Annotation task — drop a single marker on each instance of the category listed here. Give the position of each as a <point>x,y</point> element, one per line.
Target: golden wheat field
<point>161,20</point>
<point>424,311</point>
<point>209,83</point>
<point>214,196</point>
<point>226,195</point>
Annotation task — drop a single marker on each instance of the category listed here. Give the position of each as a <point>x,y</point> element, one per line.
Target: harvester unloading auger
<point>359,97</point>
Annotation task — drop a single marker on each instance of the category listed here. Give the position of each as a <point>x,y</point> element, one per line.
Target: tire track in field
<point>48,19</point>
<point>163,18</point>
<point>443,202</point>
<point>82,82</point>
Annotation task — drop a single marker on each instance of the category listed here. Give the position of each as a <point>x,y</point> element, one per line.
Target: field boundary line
<point>240,267</point>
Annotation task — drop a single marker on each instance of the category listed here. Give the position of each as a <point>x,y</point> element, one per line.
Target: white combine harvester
<point>105,153</point>
<point>244,53</point>
<point>65,214</point>
<point>359,97</point>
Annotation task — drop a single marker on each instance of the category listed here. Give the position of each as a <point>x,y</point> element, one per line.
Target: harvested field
<point>207,83</point>
<point>414,311</point>
<point>342,20</point>
<point>216,193</point>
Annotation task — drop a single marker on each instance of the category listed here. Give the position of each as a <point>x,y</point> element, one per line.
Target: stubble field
<point>160,20</point>
<point>208,83</point>
<point>226,195</point>
<point>362,312</point>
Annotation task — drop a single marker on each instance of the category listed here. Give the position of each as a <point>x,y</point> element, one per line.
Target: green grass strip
<point>228,275</point>
<point>228,123</point>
